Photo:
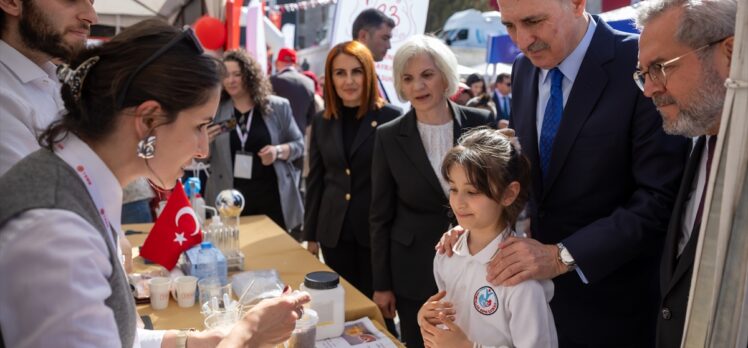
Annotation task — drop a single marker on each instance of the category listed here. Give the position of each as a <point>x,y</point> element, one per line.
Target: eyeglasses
<point>656,71</point>
<point>186,34</point>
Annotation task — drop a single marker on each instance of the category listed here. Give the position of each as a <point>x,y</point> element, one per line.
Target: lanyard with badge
<point>243,159</point>
<point>72,159</point>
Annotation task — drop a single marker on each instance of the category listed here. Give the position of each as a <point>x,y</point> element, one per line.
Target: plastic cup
<point>159,290</point>
<point>185,287</point>
<point>211,288</point>
<point>222,321</point>
<point>305,333</point>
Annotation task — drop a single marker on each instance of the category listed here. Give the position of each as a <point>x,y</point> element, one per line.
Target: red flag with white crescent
<point>176,230</point>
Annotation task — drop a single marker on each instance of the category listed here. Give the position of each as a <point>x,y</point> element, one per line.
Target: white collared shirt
<point>29,101</point>
<point>569,67</point>
<point>54,270</point>
<point>694,197</point>
<point>517,316</point>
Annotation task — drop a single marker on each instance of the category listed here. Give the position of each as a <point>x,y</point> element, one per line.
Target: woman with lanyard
<point>138,106</point>
<point>256,155</point>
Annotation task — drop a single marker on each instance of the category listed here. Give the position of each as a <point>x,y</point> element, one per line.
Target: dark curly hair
<point>254,80</point>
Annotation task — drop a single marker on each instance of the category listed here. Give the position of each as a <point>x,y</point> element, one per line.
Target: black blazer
<point>608,193</point>
<point>338,187</point>
<point>409,210</point>
<point>675,272</point>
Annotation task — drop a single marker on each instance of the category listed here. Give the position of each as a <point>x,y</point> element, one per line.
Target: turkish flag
<point>175,231</point>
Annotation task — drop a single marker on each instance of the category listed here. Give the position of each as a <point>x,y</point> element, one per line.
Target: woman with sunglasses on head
<point>339,182</point>
<point>409,206</point>
<point>137,106</point>
<point>256,156</point>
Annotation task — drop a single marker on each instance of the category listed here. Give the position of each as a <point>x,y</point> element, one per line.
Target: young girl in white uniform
<point>488,180</point>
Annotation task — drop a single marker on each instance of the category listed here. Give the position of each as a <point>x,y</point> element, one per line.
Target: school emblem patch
<point>485,301</point>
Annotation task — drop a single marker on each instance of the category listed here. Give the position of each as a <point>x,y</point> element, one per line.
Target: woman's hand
<point>448,240</point>
<point>268,155</point>
<point>213,132</point>
<point>270,322</point>
<point>385,300</point>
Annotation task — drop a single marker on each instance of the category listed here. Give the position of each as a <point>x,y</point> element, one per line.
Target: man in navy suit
<point>502,96</point>
<point>604,175</point>
<point>683,67</point>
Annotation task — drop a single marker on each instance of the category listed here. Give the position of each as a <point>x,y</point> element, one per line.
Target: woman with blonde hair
<point>256,155</point>
<point>339,181</point>
<point>409,207</point>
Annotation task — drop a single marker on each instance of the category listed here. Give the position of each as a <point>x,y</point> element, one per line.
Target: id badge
<point>243,165</point>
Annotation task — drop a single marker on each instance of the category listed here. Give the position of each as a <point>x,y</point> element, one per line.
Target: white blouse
<point>437,140</point>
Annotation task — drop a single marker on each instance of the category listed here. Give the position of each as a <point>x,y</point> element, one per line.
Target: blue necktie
<point>506,106</point>
<point>551,119</point>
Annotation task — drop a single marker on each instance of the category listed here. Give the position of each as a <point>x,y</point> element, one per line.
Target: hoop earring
<point>147,147</point>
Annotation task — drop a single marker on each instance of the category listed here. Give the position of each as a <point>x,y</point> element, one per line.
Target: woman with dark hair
<point>256,156</point>
<point>340,151</point>
<point>481,99</point>
<point>138,106</point>
<point>409,206</point>
<point>477,84</point>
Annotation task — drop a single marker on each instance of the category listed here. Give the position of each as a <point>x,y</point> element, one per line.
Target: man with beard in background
<point>33,35</point>
<point>685,51</point>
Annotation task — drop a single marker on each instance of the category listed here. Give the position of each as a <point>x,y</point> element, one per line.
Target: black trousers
<point>352,262</point>
<point>407,309</point>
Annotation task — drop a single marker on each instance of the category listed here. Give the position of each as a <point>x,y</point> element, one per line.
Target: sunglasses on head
<point>186,34</point>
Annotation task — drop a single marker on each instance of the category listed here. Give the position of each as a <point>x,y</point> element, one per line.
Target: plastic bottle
<point>198,205</point>
<point>208,262</point>
<point>214,234</point>
<point>328,300</point>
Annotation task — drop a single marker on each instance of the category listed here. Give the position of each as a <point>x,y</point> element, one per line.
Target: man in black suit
<point>374,29</point>
<point>289,83</point>
<point>604,175</point>
<point>684,59</point>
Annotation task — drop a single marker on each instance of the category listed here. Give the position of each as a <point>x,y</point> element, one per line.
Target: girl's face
<point>233,83</point>
<point>474,210</point>
<point>348,79</point>
<point>423,85</point>
<point>177,143</point>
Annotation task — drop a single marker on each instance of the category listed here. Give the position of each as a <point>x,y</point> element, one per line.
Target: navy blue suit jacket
<point>608,193</point>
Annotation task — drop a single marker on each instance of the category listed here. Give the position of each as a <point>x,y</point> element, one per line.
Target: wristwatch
<point>278,151</point>
<point>565,257</point>
<point>181,339</point>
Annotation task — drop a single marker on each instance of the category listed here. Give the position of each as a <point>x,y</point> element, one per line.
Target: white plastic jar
<point>328,300</point>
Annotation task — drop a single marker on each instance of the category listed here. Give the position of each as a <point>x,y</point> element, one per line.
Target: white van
<point>471,28</point>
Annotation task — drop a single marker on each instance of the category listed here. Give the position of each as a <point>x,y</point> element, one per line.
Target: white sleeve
<point>149,338</point>
<point>530,319</point>
<point>19,140</point>
<point>54,270</point>
<point>438,261</point>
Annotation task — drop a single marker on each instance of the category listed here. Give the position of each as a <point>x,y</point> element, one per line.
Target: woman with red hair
<point>340,153</point>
